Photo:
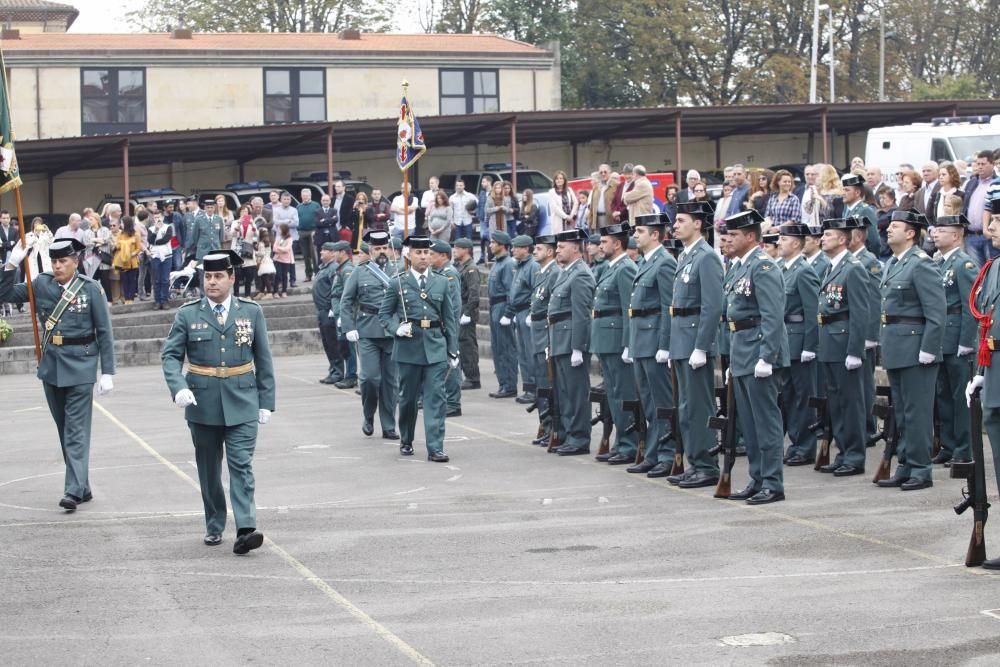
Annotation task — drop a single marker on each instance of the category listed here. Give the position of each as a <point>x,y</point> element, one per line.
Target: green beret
<point>329,245</point>
<point>341,245</point>
<point>441,246</point>
<point>397,243</point>
<point>522,241</point>
<point>365,248</point>
<point>632,244</point>
<point>594,239</point>
<point>464,243</point>
<point>503,238</point>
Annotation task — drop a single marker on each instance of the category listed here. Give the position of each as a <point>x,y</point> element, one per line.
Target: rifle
<point>604,417</point>
<point>542,414</point>
<point>974,495</point>
<point>727,427</point>
<point>888,416</point>
<point>823,428</point>
<point>936,441</point>
<point>554,412</point>
<point>673,414</point>
<point>638,424</point>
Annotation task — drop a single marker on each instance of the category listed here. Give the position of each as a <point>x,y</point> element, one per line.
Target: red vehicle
<point>659,179</point>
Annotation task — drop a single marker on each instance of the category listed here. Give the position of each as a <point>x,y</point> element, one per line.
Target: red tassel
<point>985,357</point>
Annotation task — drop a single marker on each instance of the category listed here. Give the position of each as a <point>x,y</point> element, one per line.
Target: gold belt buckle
<point>630,312</point>
<point>425,324</point>
<point>819,319</point>
<point>732,327</point>
<point>593,314</point>
<point>671,311</point>
<point>57,340</point>
<point>883,318</point>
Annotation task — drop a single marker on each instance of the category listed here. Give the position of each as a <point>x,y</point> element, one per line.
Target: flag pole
<point>406,181</point>
<point>27,276</point>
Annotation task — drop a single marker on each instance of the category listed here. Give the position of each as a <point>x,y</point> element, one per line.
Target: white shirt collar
<point>546,267</point>
<point>652,253</point>
<point>834,261</point>
<point>858,252</point>
<point>226,305</point>
<point>789,263</point>
<point>688,248</point>
<point>614,261</point>
<point>812,260</point>
<point>946,255</point>
<point>744,258</point>
<point>417,274</point>
<point>570,265</point>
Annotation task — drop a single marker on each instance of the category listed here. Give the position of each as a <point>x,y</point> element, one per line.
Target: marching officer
<point>364,293</point>
<point>544,280</point>
<point>843,317</point>
<point>873,269</point>
<point>345,348</point>
<point>913,320</point>
<point>441,264</point>
<point>609,336</point>
<point>595,258</point>
<point>73,311</point>
<point>468,345</point>
<point>958,273</point>
<point>324,313</point>
<point>801,304</point>
<point>694,324</point>
<point>421,310</point>
<point>517,312</point>
<point>755,312</point>
<point>569,318</point>
<point>648,342</point>
<point>228,391</point>
<point>855,207</point>
<point>502,341</point>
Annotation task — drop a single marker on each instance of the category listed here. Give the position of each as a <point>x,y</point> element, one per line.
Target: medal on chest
<point>244,332</point>
<point>743,287</point>
<point>949,278</point>
<point>686,274</point>
<point>834,295</point>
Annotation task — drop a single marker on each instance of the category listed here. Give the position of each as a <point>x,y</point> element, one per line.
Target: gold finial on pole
<point>406,85</point>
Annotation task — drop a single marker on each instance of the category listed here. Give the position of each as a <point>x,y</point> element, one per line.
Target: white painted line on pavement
<point>17,412</point>
<point>992,613</point>
<point>453,478</point>
<point>546,501</point>
<point>403,493</point>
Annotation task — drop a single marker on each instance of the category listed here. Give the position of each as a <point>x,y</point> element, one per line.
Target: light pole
<point>829,13</point>
<point>881,53</point>
<point>815,53</point>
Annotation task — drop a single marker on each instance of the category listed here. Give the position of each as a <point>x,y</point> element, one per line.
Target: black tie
<point>423,282</point>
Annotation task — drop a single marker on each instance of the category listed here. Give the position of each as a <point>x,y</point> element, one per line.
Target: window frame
<point>294,92</point>
<point>469,96</point>
<point>90,128</point>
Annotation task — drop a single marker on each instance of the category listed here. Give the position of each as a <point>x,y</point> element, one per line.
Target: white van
<point>943,139</point>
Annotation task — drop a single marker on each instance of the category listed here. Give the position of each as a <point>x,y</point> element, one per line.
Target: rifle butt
<point>882,472</point>
<point>553,441</point>
<point>822,455</point>
<point>640,452</point>
<point>936,445</point>
<point>678,464</point>
<point>724,488</point>
<point>541,432</point>
<point>604,447</point>
<point>976,554</point>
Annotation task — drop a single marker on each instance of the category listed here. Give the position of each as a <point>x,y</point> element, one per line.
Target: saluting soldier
<point>544,280</point>
<point>441,264</point>
<point>502,342</point>
<point>913,318</point>
<point>345,348</point>
<point>517,312</point>
<point>958,273</point>
<point>755,313</point>
<point>228,391</point>
<point>468,344</point>
<point>648,343</point>
<point>801,304</point>
<point>843,317</point>
<point>364,293</point>
<point>76,332</point>
<point>609,337</point>
<point>694,325</point>
<point>421,310</point>
<point>569,341</point>
<point>873,269</point>
<point>325,313</point>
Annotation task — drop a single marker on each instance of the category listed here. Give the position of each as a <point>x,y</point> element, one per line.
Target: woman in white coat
<point>562,204</point>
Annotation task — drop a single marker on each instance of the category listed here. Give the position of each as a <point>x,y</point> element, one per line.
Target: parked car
<point>318,185</point>
<point>246,191</point>
<point>144,197</point>
<point>532,179</point>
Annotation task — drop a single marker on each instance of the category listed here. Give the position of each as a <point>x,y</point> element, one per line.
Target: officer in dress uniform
<point>755,313</point>
<point>958,273</point>
<point>595,256</point>
<point>364,293</point>
<point>517,312</point>
<point>502,342</point>
<point>694,325</point>
<point>420,308</point>
<point>441,264</point>
<point>345,348</point>
<point>873,269</point>
<point>468,344</point>
<point>913,322</point>
<point>228,391</point>
<point>813,253</point>
<point>569,319</point>
<point>652,291</point>
<point>609,337</point>
<point>76,330</point>
<point>855,207</point>
<point>843,317</point>
<point>544,280</point>
<point>324,313</point>
<point>801,304</point>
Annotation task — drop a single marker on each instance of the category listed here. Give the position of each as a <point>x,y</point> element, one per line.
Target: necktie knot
<point>220,313</point>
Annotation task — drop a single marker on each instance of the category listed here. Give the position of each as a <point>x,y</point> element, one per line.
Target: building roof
<point>36,10</point>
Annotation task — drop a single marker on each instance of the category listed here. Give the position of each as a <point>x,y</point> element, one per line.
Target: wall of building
<point>57,94</point>
<point>199,97</point>
<point>354,94</point>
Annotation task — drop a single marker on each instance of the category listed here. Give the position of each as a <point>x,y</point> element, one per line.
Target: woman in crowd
<point>439,217</point>
<point>529,214</point>
<point>562,204</point>
<point>723,205</point>
<point>886,207</point>
<point>244,234</point>
<point>161,259</point>
<point>909,183</point>
<point>99,253</point>
<point>760,191</point>
<point>128,246</point>
<point>496,213</point>
<point>265,265</point>
<point>512,209</point>
<point>950,182</point>
<point>222,210</point>
<point>39,238</point>
<point>783,206</point>
<point>283,260</point>
<point>485,187</point>
<point>831,193</point>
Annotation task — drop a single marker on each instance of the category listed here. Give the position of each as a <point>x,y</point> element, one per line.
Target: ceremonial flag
<point>409,139</point>
<point>10,177</point>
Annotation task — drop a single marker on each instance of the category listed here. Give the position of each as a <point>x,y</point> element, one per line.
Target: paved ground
<point>505,556</point>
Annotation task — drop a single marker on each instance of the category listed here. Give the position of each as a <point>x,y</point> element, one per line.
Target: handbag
<point>106,257</point>
<point>247,249</point>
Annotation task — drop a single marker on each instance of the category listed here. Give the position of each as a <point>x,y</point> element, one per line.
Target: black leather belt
<point>835,317</point>
<point>368,310</point>
<point>642,312</point>
<point>538,317</point>
<point>494,300</point>
<point>559,317</point>
<point>955,310</point>
<point>425,324</point>
<point>610,312</point>
<point>684,312</point>
<point>740,325</point>
<point>522,307</point>
<point>795,318</point>
<point>58,340</point>
<point>899,319</point>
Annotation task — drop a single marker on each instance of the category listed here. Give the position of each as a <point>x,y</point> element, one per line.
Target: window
<point>292,95</point>
<point>112,100</point>
<point>469,91</point>
<point>939,151</point>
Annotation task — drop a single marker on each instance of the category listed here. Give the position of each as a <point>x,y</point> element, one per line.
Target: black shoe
<point>567,450</point>
<point>891,483</point>
<point>357,391</point>
<point>420,405</point>
<point>213,539</point>
<point>747,492</point>
<point>406,449</point>
<point>246,543</point>
<point>942,457</point>
<point>503,393</point>
<point>741,450</point>
<point>698,480</point>
<point>346,383</point>
<point>798,460</point>
<point>367,427</point>
<point>991,564</point>
<point>765,496</point>
<point>87,497</point>
<point>830,467</point>
<point>948,464</point>
<point>621,459</point>
<point>69,502</point>
<point>914,484</point>
<point>329,380</point>
<point>846,471</point>
<point>542,441</point>
<point>390,435</point>
<point>643,467</point>
<point>469,384</point>
<point>872,439</point>
<point>527,398</point>
<point>677,479</point>
<point>603,458</point>
<point>454,412</point>
<point>660,470</point>
<point>438,457</point>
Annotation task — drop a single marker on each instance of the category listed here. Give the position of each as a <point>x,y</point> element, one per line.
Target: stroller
<point>180,281</point>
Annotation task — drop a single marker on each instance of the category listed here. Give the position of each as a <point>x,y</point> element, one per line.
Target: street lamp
<point>817,8</point>
<point>829,13</point>
<point>882,37</point>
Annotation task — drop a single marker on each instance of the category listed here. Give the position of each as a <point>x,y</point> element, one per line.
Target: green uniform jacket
<point>521,286</point>
<point>573,293</point>
<point>470,290</point>
<point>801,304</point>
<point>597,268</point>
<point>500,280</point>
<point>341,275</point>
<point>68,365</point>
<point>820,263</point>
<point>364,293</point>
<point>208,234</point>
<point>321,289</point>
<point>757,292</point>
<point>724,341</point>
<point>844,289</point>
<point>454,285</point>
<point>652,288</point>
<point>873,269</point>
<point>610,334</point>
<point>198,336</point>
<point>987,299</point>
<point>544,281</point>
<point>862,210</point>
<point>697,284</point>
<point>912,288</point>
<point>435,304</point>
<point>958,273</point>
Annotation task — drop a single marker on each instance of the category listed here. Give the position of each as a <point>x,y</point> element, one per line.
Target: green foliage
<point>5,331</point>
<point>961,87</point>
<point>263,15</point>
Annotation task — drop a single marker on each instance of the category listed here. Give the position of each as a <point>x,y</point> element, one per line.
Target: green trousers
<point>620,384</point>
<point>542,382</point>
<point>991,423</point>
<point>913,405</point>
<point>655,391</point>
<point>71,409</point>
<point>416,380</point>
<point>696,389</point>
<point>797,387</point>
<point>845,402</point>
<point>238,443</point>
<point>379,384</point>
<point>953,413</point>
<point>468,349</point>
<point>758,412</point>
<point>573,393</point>
<point>525,349</point>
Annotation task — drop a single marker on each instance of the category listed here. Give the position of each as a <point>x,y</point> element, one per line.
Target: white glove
<point>970,389</point>
<point>17,255</point>
<point>697,359</point>
<point>852,363</point>
<point>963,351</point>
<point>807,356</point>
<point>263,416</point>
<point>352,335</point>
<point>925,358</point>
<point>330,314</point>
<point>338,320</point>
<point>662,356</point>
<point>729,375</point>
<point>870,344</point>
<point>546,354</point>
<point>627,359</point>
<point>453,362</point>
<point>105,385</point>
<point>762,369</point>
<point>505,321</point>
<point>464,319</point>
<point>184,398</point>
<point>405,330</point>
<point>576,359</point>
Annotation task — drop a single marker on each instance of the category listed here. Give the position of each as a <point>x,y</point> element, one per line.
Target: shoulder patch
<point>451,277</point>
<point>246,300</point>
<point>921,254</point>
<point>876,268</point>
<point>765,266</point>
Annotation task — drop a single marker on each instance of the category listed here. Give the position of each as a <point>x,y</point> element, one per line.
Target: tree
<point>263,15</point>
<point>461,16</point>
